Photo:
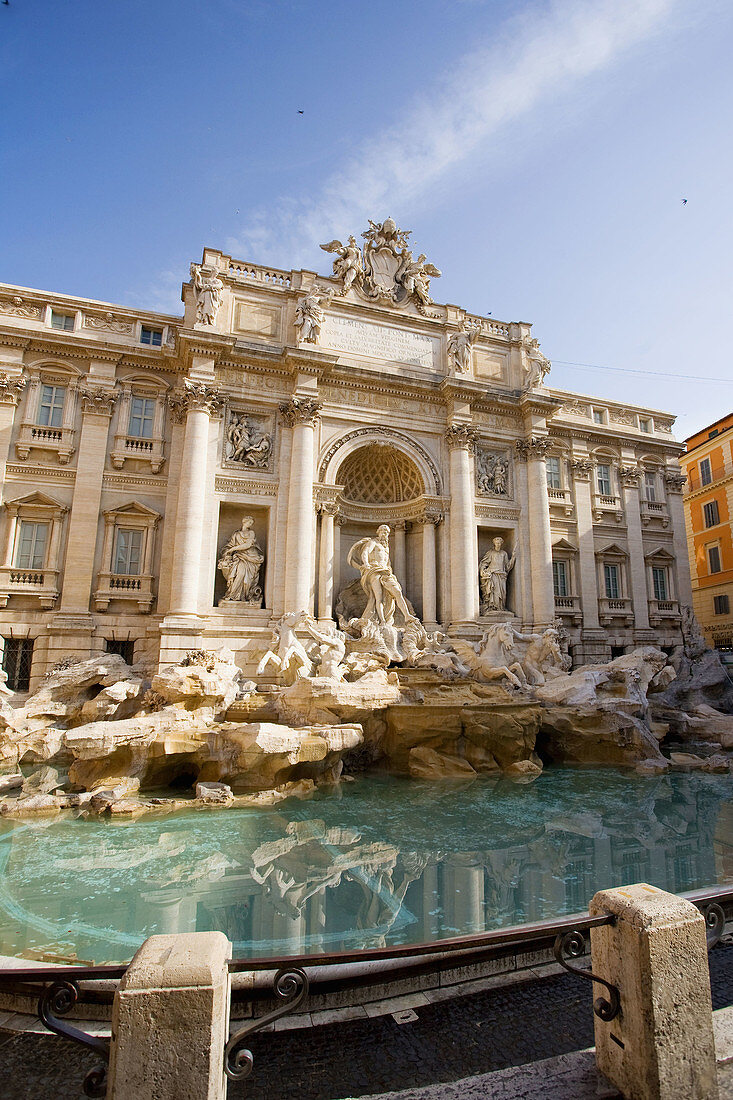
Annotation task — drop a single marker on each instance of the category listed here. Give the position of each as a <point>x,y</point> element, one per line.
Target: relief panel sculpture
<point>493,473</point>
<point>246,443</point>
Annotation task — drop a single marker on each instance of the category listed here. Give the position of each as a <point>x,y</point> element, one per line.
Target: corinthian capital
<point>10,389</point>
<point>461,435</point>
<point>300,410</point>
<point>675,480</point>
<point>196,396</point>
<point>99,401</point>
<point>534,447</point>
<point>629,475</point>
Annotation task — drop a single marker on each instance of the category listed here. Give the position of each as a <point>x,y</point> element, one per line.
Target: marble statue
<point>425,650</point>
<point>370,557</point>
<point>240,562</point>
<point>287,653</point>
<point>494,657</point>
<point>209,291</point>
<point>492,474</point>
<point>538,366</point>
<point>415,275</point>
<point>246,444</point>
<point>460,344</point>
<point>331,647</point>
<point>348,265</point>
<point>494,570</point>
<point>310,314</point>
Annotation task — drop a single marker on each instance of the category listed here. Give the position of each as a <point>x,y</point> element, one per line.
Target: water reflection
<point>378,862</point>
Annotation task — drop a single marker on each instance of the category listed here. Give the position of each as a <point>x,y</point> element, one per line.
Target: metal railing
<point>61,988</point>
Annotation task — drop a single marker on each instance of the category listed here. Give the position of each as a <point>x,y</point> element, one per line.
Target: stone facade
<point>134,445</point>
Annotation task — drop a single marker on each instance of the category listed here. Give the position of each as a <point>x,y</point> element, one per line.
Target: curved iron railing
<point>295,976</point>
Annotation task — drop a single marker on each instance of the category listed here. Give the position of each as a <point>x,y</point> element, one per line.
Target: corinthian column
<point>10,391</point>
<point>629,476</point>
<point>196,403</point>
<point>533,451</point>
<point>301,414</point>
<point>326,563</point>
<point>461,440</point>
<point>429,604</point>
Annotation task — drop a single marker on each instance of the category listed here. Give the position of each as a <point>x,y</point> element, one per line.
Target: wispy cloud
<point>536,57</point>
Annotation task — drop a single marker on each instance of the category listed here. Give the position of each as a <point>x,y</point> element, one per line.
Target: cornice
<point>13,339</point>
<point>540,404</point>
<point>305,361</point>
<point>644,443</point>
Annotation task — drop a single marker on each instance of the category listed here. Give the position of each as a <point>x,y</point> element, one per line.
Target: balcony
<point>568,607</point>
<point>694,483</point>
<point>41,583</point>
<point>131,446</point>
<point>663,611</point>
<point>43,438</point>
<point>561,498</point>
<point>654,510</point>
<point>617,611</point>
<point>604,506</point>
<point>137,588</point>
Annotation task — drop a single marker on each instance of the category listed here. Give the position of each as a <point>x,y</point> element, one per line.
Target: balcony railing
<point>659,610</point>
<point>124,586</point>
<point>562,498</point>
<point>41,437</point>
<point>41,583</point>
<point>694,482</point>
<point>654,510</point>
<point>604,503</point>
<point>611,608</point>
<point>568,607</point>
<point>132,446</point>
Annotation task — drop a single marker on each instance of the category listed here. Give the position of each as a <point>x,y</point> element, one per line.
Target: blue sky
<point>538,151</point>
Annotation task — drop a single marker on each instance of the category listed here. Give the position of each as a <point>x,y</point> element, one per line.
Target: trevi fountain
<point>374,783</point>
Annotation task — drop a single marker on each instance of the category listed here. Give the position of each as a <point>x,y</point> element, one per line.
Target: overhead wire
<point>652,373</point>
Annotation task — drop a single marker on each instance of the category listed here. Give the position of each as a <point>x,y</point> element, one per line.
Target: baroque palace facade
<point>172,482</point>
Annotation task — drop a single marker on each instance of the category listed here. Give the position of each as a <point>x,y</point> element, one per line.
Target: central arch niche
<point>380,474</point>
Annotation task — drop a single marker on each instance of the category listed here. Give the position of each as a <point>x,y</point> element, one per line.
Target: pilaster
<point>675,480</point>
<point>533,452</point>
<point>301,414</point>
<point>629,478</point>
<point>461,440</point>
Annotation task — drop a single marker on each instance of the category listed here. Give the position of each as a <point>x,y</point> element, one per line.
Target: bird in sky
<point>684,202</point>
<point>301,112</point>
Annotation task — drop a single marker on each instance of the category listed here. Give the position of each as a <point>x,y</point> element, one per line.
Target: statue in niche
<point>460,345</point>
<point>492,474</point>
<point>240,562</point>
<point>209,291</point>
<point>310,314</point>
<point>538,366</point>
<point>370,557</point>
<point>246,443</point>
<point>348,265</point>
<point>494,569</point>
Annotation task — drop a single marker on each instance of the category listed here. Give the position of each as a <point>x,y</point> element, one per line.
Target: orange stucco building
<point>708,501</point>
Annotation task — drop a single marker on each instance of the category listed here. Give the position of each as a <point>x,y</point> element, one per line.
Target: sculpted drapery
<point>240,562</point>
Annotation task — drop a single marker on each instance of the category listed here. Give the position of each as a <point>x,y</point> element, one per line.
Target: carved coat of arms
<point>385,268</point>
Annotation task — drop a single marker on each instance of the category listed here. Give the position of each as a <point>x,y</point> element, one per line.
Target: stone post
<point>533,451</point>
<point>170,1020</point>
<point>661,1045</point>
<point>629,477</point>
<point>81,543</point>
<point>301,414</point>
<point>461,439</point>
<point>199,402</point>
<point>674,482</point>
<point>429,602</point>
<point>325,566</point>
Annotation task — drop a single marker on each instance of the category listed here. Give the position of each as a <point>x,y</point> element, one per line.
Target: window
<point>721,605</point>
<point>650,485</point>
<point>127,551</point>
<point>711,514</point>
<point>713,433</point>
<point>560,578</point>
<point>17,658</point>
<point>125,649</point>
<point>659,579</point>
<point>644,425</point>
<point>706,474</point>
<point>714,559</point>
<point>142,415</point>
<point>610,576</point>
<point>63,321</point>
<point>604,479</point>
<point>153,336</point>
<point>599,416</point>
<point>553,472</point>
<point>51,407</point>
<point>30,550</point>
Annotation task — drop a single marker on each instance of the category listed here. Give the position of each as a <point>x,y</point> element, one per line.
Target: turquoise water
<point>377,861</point>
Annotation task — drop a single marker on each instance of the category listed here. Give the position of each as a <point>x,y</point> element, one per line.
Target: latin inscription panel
<point>391,345</point>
